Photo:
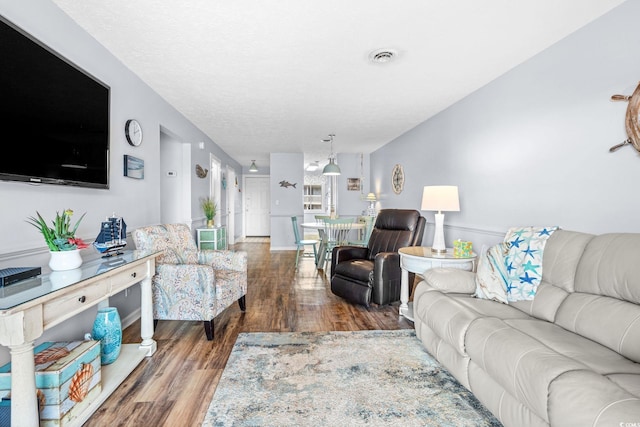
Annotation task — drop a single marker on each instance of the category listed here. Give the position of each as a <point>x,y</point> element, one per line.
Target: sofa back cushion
<point>174,240</point>
<point>562,253</point>
<point>605,306</point>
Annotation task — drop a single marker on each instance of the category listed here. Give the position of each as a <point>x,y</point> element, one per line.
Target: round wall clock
<point>133,132</point>
<point>397,179</point>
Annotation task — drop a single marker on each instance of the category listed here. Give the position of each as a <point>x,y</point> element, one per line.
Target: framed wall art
<point>133,167</point>
<point>353,184</point>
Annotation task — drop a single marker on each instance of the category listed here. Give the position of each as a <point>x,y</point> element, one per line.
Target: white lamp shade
<point>440,198</point>
<point>370,197</point>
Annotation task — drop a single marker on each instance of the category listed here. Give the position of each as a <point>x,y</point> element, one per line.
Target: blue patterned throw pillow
<point>523,261</point>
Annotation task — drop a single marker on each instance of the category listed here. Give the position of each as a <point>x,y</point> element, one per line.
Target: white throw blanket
<point>512,270</point>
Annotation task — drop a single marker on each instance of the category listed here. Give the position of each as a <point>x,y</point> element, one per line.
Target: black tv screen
<point>54,116</point>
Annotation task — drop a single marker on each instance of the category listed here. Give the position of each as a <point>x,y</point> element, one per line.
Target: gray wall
<point>531,148</point>
<point>138,201</point>
<point>287,202</point>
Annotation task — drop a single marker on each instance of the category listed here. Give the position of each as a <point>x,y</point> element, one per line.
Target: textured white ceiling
<point>262,76</point>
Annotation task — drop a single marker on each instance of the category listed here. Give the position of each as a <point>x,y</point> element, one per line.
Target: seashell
<point>50,354</point>
<point>80,382</point>
<point>42,400</point>
<point>201,172</point>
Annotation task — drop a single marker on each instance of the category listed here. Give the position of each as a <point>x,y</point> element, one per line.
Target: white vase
<point>65,260</point>
<point>61,278</point>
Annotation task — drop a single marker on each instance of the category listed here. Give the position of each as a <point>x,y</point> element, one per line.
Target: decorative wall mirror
<point>631,123</point>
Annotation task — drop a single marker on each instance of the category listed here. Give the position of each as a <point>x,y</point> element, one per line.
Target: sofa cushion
<point>526,355</point>
<point>561,256</point>
<point>608,321</point>
<point>450,315</point>
<point>610,267</point>
<point>583,398</point>
<point>605,306</point>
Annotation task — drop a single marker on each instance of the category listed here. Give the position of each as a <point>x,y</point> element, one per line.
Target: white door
<point>231,211</point>
<point>175,184</point>
<point>257,201</point>
<point>214,186</point>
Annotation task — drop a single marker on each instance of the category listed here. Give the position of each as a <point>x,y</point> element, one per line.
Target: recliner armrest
<point>345,253</point>
<point>224,260</point>
<point>387,266</point>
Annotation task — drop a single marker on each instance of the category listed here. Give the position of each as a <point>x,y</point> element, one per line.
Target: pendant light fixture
<point>331,168</point>
<point>253,167</point>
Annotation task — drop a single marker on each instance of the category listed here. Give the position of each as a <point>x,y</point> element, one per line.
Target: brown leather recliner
<point>363,275</point>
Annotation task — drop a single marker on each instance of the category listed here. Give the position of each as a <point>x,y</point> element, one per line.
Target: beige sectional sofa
<point>569,357</point>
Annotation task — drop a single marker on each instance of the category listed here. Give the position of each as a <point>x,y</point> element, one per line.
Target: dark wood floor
<point>175,386</point>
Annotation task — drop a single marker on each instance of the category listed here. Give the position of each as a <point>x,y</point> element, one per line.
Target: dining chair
<point>335,232</point>
<point>301,243</point>
<point>364,233</point>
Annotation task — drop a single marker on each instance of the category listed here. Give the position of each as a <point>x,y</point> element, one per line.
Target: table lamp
<point>440,198</point>
<point>371,198</point>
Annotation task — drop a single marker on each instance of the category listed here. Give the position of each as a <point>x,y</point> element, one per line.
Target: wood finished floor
<point>175,386</point>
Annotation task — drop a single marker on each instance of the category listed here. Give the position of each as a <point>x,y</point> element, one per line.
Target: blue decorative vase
<point>108,329</point>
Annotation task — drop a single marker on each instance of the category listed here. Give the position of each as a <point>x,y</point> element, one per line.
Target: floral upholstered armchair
<point>191,284</point>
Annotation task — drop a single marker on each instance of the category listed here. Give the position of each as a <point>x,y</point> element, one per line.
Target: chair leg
<point>297,255</point>
<point>208,329</point>
<point>155,324</point>
<point>242,302</point>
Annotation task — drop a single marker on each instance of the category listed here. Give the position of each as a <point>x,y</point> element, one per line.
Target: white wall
<point>531,148</point>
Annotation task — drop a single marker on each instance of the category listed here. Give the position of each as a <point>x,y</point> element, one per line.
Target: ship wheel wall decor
<point>631,122</point>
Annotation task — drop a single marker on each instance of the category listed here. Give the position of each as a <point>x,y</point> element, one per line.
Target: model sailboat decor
<point>112,237</point>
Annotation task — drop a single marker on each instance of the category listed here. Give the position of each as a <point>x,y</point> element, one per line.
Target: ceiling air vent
<point>382,56</point>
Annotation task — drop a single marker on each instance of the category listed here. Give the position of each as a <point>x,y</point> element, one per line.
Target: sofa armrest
<point>451,280</point>
<point>224,260</point>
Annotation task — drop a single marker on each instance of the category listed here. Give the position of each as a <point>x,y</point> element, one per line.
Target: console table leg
<point>24,402</point>
<point>146,311</point>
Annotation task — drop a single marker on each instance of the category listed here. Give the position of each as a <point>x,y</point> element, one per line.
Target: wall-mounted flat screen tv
<point>53,115</point>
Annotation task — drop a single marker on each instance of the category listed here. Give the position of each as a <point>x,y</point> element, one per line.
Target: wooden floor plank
<point>175,386</point>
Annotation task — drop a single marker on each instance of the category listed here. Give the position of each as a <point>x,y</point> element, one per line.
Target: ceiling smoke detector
<point>382,56</point>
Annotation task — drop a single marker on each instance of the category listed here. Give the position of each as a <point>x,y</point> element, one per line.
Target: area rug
<point>368,378</point>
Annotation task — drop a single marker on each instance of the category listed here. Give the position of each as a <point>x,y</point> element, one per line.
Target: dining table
<point>319,227</point>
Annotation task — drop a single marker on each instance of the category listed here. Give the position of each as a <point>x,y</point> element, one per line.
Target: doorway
<point>231,206</point>
<point>214,186</point>
<point>175,186</point>
<point>257,202</point>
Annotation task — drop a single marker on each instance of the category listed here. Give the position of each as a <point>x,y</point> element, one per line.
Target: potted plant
<point>61,239</point>
<point>209,208</point>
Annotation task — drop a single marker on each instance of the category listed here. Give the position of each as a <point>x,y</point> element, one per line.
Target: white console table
<point>418,259</point>
<point>35,305</point>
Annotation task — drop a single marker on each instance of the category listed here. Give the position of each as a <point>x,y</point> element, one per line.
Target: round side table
<point>418,259</point>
